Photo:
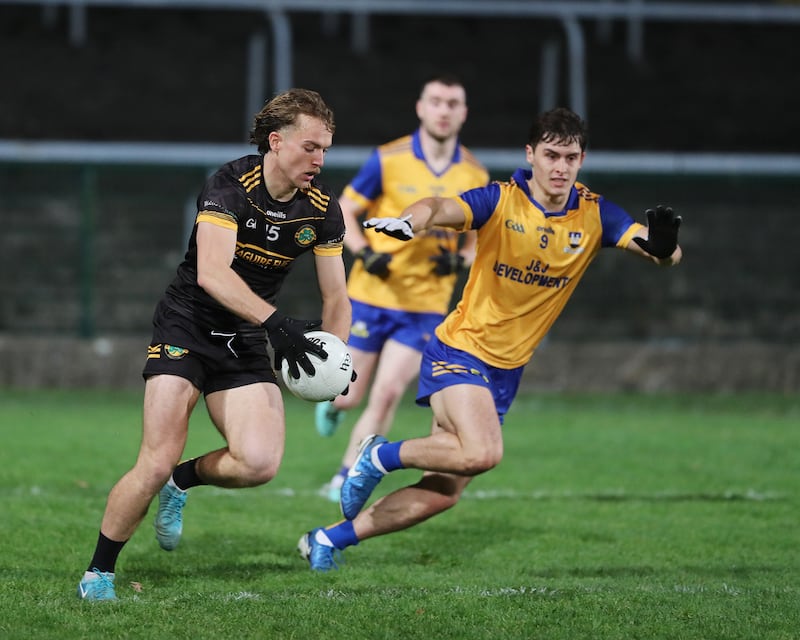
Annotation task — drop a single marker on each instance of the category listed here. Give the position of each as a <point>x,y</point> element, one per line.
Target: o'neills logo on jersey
<point>305,235</point>
<point>276,214</point>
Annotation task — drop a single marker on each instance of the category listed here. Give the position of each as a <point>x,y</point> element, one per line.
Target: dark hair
<point>558,125</point>
<point>447,79</point>
<point>282,111</point>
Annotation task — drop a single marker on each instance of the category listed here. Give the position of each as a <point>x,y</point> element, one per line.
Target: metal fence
<point>88,247</point>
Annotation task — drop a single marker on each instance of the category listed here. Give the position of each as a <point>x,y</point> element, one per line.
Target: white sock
<point>323,538</point>
<point>376,460</point>
<point>91,575</point>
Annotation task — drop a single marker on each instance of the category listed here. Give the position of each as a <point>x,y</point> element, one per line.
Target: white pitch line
<point>610,495</point>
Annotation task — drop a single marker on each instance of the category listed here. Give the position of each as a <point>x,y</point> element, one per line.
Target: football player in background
<point>537,235</point>
<point>400,291</point>
<point>255,217</point>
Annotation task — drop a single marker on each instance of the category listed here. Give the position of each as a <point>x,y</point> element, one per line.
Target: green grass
<point>613,516</point>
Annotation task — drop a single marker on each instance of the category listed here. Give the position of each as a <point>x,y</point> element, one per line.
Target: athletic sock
<point>185,475</point>
<point>338,479</point>
<point>341,534</point>
<point>388,456</point>
<point>105,554</point>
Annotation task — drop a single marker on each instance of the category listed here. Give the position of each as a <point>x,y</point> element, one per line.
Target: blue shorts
<point>444,366</point>
<point>373,326</point>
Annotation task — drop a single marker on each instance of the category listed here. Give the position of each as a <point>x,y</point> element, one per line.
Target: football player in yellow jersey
<point>255,216</point>
<point>400,291</point>
<point>537,234</point>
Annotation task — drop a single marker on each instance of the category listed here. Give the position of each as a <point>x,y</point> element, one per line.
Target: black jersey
<point>270,236</point>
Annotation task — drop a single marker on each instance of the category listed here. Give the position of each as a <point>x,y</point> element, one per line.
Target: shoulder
<point>241,168</point>
<point>226,190</point>
<point>320,196</point>
<point>584,193</point>
<point>468,158</point>
<point>241,174</point>
<point>483,201</point>
<point>396,147</point>
<point>611,214</point>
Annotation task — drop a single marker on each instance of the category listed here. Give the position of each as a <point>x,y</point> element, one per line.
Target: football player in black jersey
<point>255,217</point>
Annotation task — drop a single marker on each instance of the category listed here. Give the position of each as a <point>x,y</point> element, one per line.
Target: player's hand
<point>375,263</point>
<point>662,232</point>
<point>353,378</point>
<point>447,262</point>
<point>399,228</point>
<point>287,337</point>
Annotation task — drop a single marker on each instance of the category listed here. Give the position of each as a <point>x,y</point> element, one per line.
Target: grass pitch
<point>615,516</point>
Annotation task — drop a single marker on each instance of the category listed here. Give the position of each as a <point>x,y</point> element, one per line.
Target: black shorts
<point>211,359</point>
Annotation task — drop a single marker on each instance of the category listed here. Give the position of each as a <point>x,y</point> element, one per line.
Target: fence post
<point>86,247</point>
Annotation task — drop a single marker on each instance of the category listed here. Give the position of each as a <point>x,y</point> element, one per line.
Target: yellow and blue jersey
<point>527,266</point>
<point>395,176</point>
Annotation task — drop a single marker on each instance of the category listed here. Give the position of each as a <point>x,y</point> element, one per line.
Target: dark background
<point>180,76</point>
<point>88,249</point>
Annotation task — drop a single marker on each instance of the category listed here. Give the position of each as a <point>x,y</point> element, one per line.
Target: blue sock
<point>343,471</point>
<point>342,534</point>
<point>389,455</point>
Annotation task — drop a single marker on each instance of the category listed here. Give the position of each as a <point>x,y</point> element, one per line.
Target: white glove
<point>399,228</point>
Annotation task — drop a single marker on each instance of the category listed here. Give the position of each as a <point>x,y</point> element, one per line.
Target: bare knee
<point>479,461</point>
<point>264,474</point>
<point>152,473</point>
<point>256,471</point>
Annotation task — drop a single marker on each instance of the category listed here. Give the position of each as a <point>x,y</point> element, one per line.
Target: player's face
<point>442,110</point>
<point>300,150</point>
<point>555,168</point>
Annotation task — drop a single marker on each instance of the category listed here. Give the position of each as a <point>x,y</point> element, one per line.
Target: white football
<point>331,376</point>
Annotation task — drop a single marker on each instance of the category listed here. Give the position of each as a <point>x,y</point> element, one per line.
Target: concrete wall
<point>594,367</point>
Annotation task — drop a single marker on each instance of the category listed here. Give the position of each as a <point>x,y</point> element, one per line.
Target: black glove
<point>375,263</point>
<point>353,378</point>
<point>287,337</point>
<point>662,232</point>
<point>447,262</point>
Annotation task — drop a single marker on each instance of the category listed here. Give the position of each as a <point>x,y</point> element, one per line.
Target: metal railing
<point>350,157</point>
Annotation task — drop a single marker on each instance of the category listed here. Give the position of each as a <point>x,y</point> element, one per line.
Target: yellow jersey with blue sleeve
<point>395,176</point>
<point>527,266</point>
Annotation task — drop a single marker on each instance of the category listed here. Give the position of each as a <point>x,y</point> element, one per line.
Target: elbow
<point>206,280</point>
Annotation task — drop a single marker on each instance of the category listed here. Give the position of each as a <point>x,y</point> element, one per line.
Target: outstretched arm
<point>660,243</point>
<point>423,214</point>
<point>436,212</point>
